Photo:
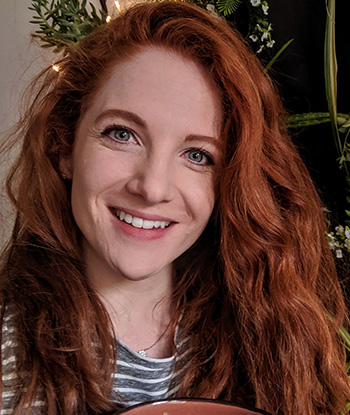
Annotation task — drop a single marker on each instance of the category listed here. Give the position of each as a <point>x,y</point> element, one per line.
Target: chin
<point>143,272</point>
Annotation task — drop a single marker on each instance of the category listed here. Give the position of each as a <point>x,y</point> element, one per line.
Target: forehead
<point>159,81</point>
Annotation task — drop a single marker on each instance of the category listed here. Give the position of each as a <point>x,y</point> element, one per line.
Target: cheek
<point>202,199</point>
<point>93,174</point>
<point>90,179</point>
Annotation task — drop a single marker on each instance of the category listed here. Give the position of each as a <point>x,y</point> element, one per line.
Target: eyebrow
<point>208,139</point>
<point>131,116</point>
<point>127,115</point>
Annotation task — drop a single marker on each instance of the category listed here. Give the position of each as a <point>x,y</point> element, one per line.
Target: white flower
<point>270,44</point>
<point>347,243</point>
<point>265,9</point>
<point>211,10</point>
<point>260,49</point>
<point>259,27</point>
<point>339,229</point>
<point>330,240</point>
<point>211,7</point>
<point>347,233</point>
<point>331,245</point>
<point>264,36</point>
<point>255,3</point>
<point>254,38</point>
<point>339,253</point>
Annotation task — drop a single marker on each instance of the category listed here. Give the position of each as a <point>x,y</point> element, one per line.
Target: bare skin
<point>145,149</point>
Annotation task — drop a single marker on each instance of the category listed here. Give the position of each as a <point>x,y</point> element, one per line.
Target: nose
<point>152,181</point>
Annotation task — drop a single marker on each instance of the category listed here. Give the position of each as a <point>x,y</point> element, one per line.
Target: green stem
<point>330,69</point>
<point>273,60</point>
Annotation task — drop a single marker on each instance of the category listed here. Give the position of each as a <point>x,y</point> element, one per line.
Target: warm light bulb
<point>117,5</point>
<point>56,68</point>
<point>108,19</point>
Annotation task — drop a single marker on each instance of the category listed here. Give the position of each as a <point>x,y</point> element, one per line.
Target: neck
<point>140,309</point>
<point>138,300</point>
<point>141,317</point>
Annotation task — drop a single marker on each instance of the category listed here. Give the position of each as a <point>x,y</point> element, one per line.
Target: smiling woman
<point>142,149</point>
<point>169,241</point>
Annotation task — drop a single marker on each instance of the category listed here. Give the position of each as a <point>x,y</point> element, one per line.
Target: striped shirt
<point>137,379</point>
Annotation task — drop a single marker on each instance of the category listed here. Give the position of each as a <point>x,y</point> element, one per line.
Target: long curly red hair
<point>257,293</point>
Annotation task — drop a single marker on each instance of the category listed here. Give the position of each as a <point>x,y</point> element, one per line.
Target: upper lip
<point>143,215</point>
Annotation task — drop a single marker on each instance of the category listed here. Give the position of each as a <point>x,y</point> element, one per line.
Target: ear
<point>66,168</point>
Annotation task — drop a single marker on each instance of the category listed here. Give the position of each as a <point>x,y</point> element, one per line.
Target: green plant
<point>340,123</point>
<point>340,126</point>
<point>339,240</point>
<point>260,29</point>
<point>227,7</point>
<point>64,23</point>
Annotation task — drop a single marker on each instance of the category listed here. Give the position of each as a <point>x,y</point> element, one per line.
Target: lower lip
<point>140,233</point>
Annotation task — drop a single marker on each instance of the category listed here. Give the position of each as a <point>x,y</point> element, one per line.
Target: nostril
<point>152,187</point>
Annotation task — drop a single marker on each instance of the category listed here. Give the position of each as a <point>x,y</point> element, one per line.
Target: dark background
<point>299,75</point>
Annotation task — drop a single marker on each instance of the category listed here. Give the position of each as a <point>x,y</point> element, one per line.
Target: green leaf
<point>330,69</point>
<point>278,54</point>
<point>307,119</point>
<point>313,118</point>
<point>343,126</point>
<point>342,159</point>
<point>64,23</point>
<point>228,6</point>
<point>346,337</point>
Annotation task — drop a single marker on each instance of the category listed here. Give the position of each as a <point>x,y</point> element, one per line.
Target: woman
<point>166,223</point>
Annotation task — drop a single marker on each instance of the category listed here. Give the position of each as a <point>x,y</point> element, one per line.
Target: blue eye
<point>121,134</point>
<point>196,156</point>
<point>200,157</point>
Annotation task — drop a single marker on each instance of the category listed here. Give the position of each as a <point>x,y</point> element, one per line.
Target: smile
<point>139,222</point>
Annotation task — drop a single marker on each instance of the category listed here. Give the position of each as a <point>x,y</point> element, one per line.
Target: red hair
<point>263,304</point>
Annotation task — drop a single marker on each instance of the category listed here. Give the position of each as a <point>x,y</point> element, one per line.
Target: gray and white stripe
<point>137,379</point>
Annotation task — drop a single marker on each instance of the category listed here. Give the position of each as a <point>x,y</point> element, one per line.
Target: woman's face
<point>143,163</point>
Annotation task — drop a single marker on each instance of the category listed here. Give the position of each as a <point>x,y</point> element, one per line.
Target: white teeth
<point>139,222</point>
<point>148,224</point>
<point>128,218</point>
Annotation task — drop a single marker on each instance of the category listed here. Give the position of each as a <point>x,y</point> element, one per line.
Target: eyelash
<point>106,133</point>
<point>208,156</point>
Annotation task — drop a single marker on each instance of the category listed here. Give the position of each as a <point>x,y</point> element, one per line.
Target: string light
<point>117,5</point>
<point>118,9</point>
<point>55,67</point>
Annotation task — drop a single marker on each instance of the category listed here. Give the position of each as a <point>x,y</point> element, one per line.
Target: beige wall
<point>20,60</point>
